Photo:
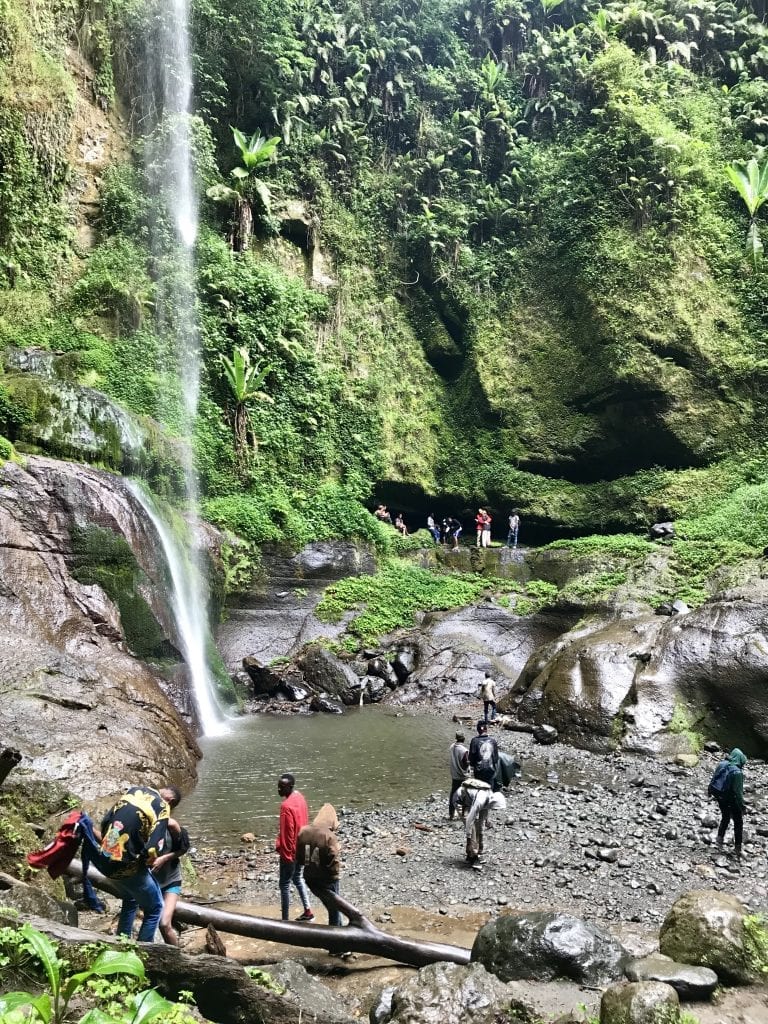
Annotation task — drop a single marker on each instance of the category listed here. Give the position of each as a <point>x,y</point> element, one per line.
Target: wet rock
<point>706,928</point>
<point>358,694</point>
<point>264,680</point>
<point>644,1002</point>
<point>306,992</point>
<point>404,662</point>
<point>542,946</point>
<point>451,993</point>
<point>381,1010</point>
<point>377,689</point>
<point>545,734</point>
<point>381,667</point>
<point>322,702</point>
<point>680,607</point>
<point>661,530</point>
<point>293,690</point>
<point>326,673</point>
<point>75,700</point>
<point>581,683</point>
<point>688,981</point>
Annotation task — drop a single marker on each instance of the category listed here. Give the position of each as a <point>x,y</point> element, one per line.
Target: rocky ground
<point>608,837</point>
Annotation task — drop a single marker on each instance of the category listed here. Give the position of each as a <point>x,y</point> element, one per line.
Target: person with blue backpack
<point>727,788</point>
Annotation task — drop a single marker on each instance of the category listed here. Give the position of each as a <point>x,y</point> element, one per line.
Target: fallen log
<point>360,936</point>
<point>221,988</point>
<point>9,758</point>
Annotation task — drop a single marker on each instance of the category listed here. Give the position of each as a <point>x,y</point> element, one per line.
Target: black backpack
<point>718,784</point>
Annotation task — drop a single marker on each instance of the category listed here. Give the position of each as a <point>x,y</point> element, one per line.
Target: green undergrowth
<point>389,599</point>
<point>685,723</point>
<point>756,942</point>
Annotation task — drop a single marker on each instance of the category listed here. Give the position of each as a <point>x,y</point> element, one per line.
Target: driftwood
<point>213,943</point>
<point>221,989</point>
<point>360,936</point>
<point>9,758</point>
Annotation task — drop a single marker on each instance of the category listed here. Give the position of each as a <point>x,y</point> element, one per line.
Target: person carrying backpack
<point>133,835</point>
<point>727,787</point>
<point>484,755</point>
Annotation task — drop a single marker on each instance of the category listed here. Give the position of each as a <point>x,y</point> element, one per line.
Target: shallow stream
<point>368,756</point>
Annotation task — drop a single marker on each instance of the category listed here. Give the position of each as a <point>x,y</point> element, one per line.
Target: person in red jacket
<point>293,817</point>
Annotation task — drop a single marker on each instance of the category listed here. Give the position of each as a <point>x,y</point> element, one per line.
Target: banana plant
<point>255,152</point>
<point>244,379</point>
<point>751,182</point>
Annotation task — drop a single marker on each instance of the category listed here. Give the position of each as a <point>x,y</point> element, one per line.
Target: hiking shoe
<point>719,842</point>
<point>306,916</point>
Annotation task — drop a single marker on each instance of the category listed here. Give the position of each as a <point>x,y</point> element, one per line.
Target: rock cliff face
<point>75,700</point>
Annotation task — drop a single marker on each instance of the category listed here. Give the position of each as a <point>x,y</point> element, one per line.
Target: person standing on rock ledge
<point>488,696</point>
<point>294,815</point>
<point>731,801</point>
<point>459,760</point>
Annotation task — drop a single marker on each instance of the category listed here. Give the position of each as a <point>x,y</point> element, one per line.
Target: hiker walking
<point>433,528</point>
<point>727,787</point>
<point>318,853</point>
<point>458,757</point>
<point>167,868</point>
<point>514,528</point>
<point>133,835</point>
<point>476,800</point>
<point>484,755</point>
<point>293,817</point>
<point>488,695</point>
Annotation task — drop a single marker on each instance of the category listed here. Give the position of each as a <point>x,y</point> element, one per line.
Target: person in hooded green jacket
<point>732,801</point>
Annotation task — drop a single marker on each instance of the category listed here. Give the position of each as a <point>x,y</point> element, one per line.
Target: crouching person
<point>477,799</point>
<point>319,853</point>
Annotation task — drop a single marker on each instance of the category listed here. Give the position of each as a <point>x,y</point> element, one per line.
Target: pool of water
<point>367,756</point>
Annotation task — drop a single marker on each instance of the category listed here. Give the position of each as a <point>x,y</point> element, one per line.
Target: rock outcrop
<point>80,706</point>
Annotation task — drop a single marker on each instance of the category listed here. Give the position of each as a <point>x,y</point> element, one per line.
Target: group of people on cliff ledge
<point>448,530</point>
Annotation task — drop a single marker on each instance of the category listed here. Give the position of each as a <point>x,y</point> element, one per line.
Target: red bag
<point>57,855</point>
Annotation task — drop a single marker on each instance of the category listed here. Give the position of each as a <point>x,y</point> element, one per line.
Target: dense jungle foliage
<point>477,250</point>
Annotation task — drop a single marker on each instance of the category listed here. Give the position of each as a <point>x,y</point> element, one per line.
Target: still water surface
<point>355,760</point>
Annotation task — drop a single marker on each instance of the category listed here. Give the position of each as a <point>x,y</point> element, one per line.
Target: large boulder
<point>707,928</point>
<point>643,1002</point>
<point>455,994</point>
<point>581,683</point>
<point>454,649</point>
<point>326,674</point>
<point>310,995</point>
<point>542,946</point>
<point>688,981</point>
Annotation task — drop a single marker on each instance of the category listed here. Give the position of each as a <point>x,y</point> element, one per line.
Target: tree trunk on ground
<point>9,758</point>
<point>360,936</point>
<point>221,989</point>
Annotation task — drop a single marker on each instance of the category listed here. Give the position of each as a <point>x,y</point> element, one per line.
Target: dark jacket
<point>133,832</point>
<point>484,766</point>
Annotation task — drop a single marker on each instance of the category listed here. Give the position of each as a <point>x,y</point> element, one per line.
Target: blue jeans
<point>140,890</point>
<point>290,871</point>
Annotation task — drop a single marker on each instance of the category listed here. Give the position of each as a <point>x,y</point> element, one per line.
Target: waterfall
<point>189,614</point>
<point>169,166</point>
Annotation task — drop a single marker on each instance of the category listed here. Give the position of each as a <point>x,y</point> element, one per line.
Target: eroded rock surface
<point>79,705</point>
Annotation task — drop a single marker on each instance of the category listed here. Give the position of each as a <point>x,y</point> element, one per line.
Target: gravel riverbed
<point>607,837</point>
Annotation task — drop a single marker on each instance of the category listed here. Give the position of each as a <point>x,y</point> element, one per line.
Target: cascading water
<point>169,166</point>
<point>189,615</point>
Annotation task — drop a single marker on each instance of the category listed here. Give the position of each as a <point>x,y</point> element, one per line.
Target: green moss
<point>683,724</point>
<point>103,557</point>
<point>755,928</point>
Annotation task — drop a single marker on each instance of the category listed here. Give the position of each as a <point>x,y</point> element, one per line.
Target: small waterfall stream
<point>190,615</point>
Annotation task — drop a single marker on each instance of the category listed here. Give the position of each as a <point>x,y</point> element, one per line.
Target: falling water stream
<point>170,149</point>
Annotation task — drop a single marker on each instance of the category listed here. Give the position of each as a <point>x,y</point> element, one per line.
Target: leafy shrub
<point>6,449</point>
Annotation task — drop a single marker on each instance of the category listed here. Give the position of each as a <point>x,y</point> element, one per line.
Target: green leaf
<point>148,1004</point>
<point>45,951</point>
<point>240,173</point>
<point>754,244</point>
